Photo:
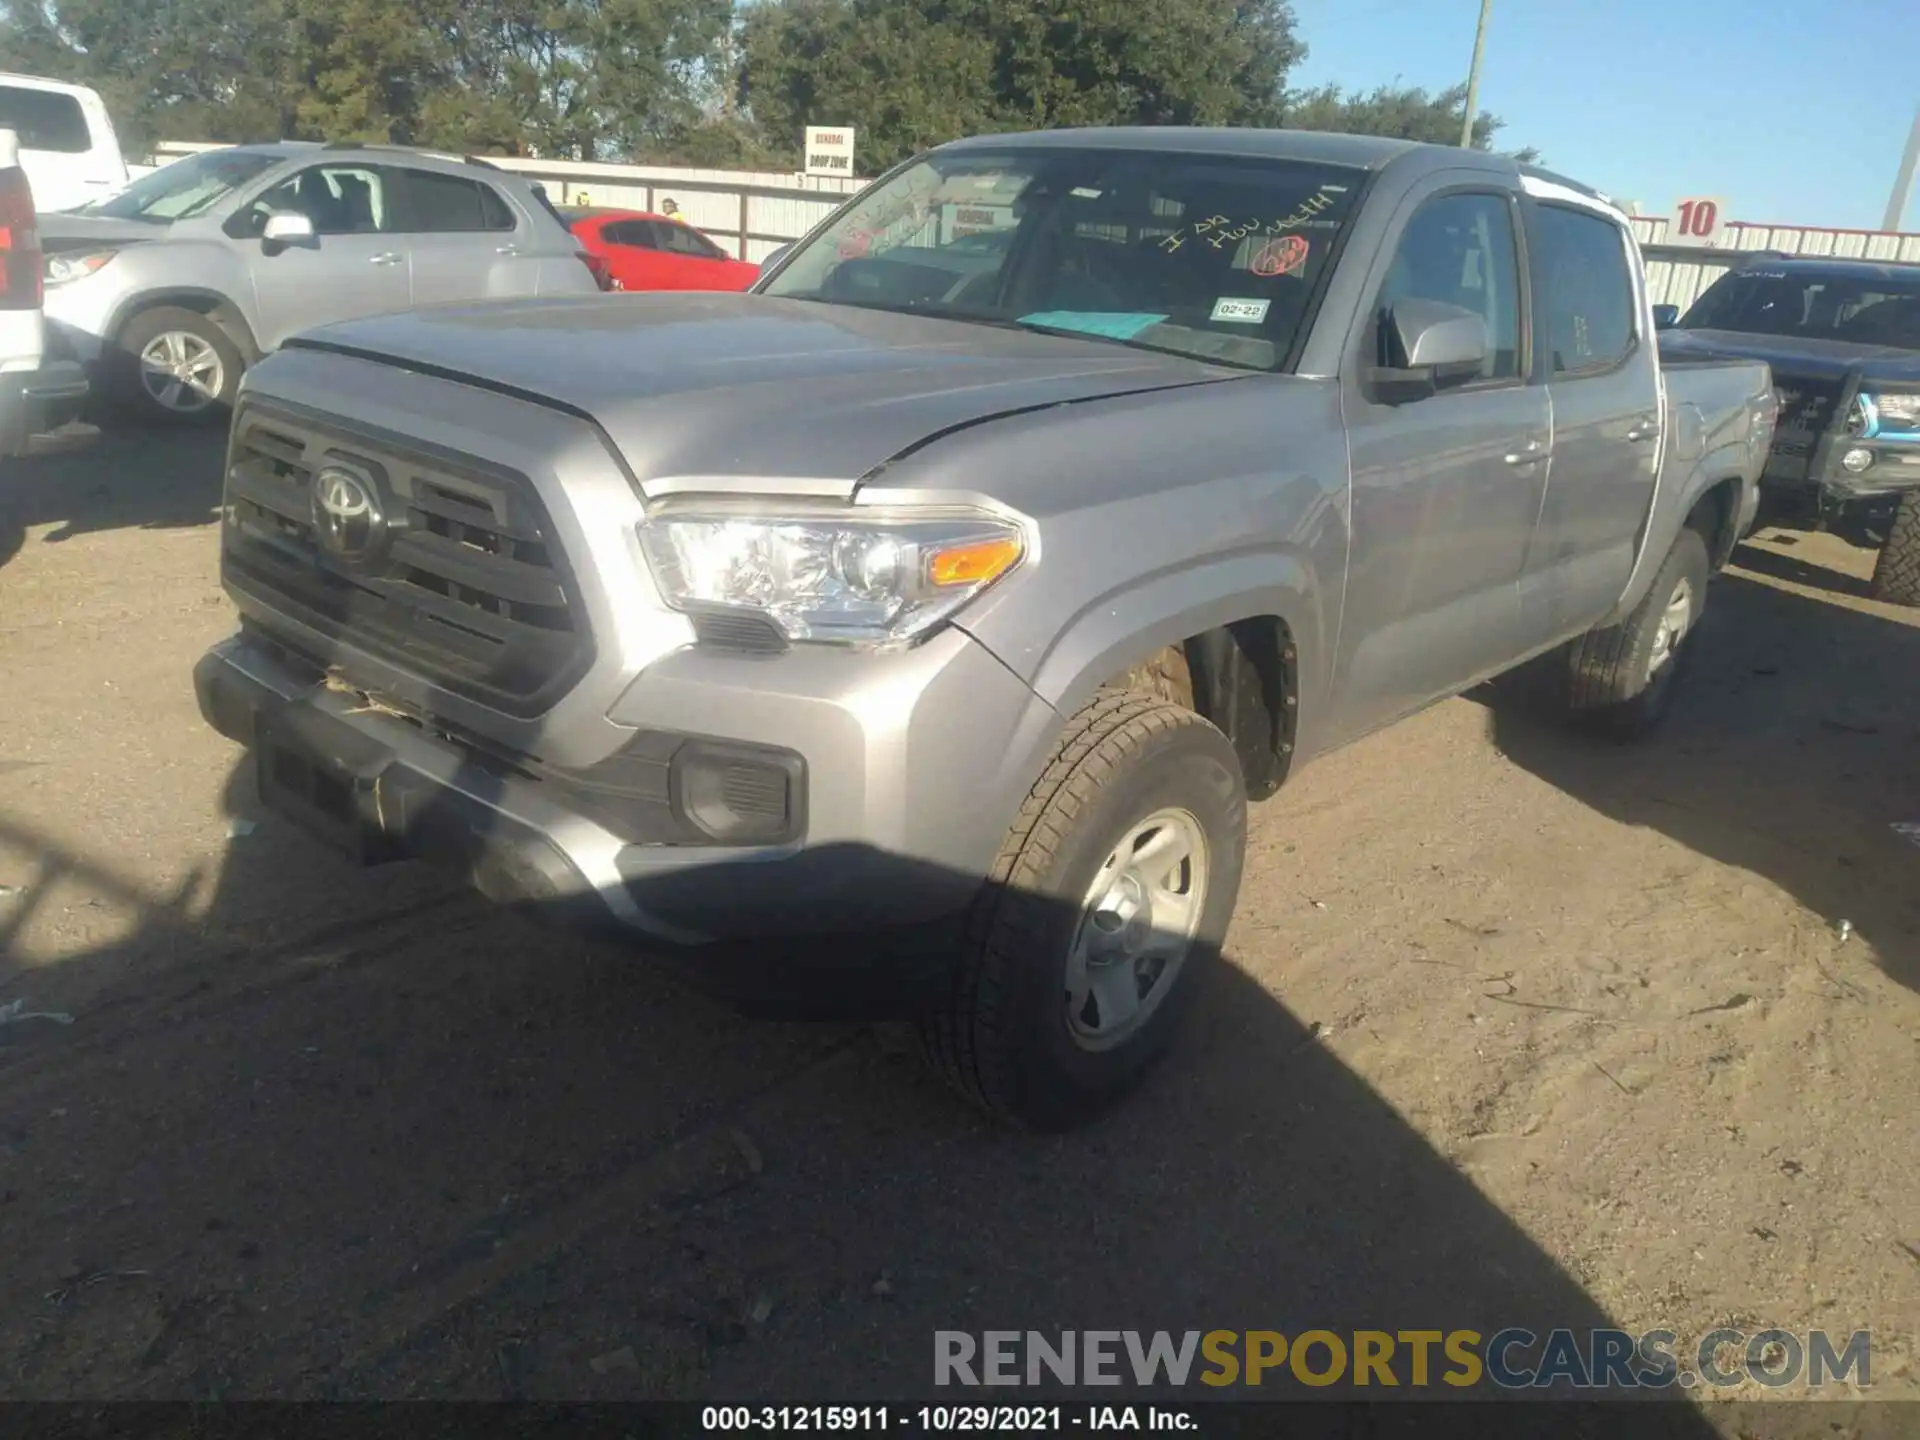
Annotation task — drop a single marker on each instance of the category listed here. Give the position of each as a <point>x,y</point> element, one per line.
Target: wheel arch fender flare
<point>220,309</point>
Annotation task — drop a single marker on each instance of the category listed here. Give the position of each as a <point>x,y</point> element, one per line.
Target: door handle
<point>1527,454</point>
<point>507,250</point>
<point>1645,428</point>
<point>388,257</point>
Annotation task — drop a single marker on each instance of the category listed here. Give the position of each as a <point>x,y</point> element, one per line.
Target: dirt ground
<point>1515,1028</point>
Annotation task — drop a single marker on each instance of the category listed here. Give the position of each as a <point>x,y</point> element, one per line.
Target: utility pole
<point>1903,183</point>
<point>1473,77</point>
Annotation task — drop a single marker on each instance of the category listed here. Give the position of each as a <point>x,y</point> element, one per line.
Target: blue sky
<point>1794,112</point>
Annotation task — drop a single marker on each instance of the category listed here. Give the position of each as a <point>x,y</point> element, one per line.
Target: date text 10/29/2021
<point>943,1419</point>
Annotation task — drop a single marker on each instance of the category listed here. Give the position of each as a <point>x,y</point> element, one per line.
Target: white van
<point>67,144</point>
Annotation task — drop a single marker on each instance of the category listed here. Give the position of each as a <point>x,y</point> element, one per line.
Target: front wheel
<point>176,367</point>
<point>1622,677</point>
<point>1896,574</point>
<point>1106,906</point>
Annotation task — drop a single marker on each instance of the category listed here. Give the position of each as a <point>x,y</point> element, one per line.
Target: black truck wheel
<point>1896,574</point>
<point>1106,906</point>
<point>1621,677</point>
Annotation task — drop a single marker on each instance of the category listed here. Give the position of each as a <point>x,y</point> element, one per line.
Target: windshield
<point>1211,257</point>
<point>1861,310</point>
<point>183,189</point>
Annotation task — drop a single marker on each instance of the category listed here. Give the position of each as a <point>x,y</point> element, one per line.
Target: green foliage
<point>1408,114</point>
<point>690,81</point>
<point>910,74</point>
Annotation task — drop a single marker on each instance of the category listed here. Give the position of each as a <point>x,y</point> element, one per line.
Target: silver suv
<point>169,289</point>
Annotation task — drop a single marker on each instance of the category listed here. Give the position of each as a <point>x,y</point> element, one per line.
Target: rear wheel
<point>1107,904</point>
<point>176,367</point>
<point>1896,574</point>
<point>1622,677</point>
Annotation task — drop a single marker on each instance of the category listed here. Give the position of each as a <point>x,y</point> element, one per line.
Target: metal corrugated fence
<point>753,212</point>
<point>1676,274</point>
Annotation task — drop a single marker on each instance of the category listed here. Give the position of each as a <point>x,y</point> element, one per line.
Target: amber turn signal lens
<point>974,563</point>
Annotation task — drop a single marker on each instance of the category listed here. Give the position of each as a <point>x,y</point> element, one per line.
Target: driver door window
<point>1459,250</point>
<point>338,199</point>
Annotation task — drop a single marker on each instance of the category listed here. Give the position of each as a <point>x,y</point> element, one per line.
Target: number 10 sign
<point>1697,220</point>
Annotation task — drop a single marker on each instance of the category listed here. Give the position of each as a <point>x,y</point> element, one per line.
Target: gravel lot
<point>1515,1029</point>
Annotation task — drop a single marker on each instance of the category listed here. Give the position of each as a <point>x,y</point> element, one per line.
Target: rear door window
<point>1589,303</point>
<point>638,233</point>
<point>45,120</point>
<point>450,204</point>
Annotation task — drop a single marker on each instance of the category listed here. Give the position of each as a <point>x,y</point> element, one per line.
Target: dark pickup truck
<point>1843,338</point>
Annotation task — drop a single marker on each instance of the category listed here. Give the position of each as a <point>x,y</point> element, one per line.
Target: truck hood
<point>61,231</point>
<point>745,385</point>
<point>1823,359</point>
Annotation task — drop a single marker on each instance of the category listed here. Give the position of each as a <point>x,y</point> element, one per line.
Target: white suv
<point>67,144</point>
<point>40,399</point>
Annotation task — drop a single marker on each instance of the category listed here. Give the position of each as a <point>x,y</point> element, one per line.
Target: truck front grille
<point>1809,405</point>
<point>460,582</point>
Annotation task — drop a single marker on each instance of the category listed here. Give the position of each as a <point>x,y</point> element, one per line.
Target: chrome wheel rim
<point>1675,621</point>
<point>181,372</point>
<point>1136,929</point>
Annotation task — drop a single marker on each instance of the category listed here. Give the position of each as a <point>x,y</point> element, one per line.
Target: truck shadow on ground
<point>1792,751</point>
<point>1797,569</point>
<point>332,1133</point>
<point>130,478</point>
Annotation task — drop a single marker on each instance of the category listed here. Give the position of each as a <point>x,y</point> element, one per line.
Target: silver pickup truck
<point>939,604</point>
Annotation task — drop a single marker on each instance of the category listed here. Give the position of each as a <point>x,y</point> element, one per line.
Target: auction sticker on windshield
<point>1242,312</point>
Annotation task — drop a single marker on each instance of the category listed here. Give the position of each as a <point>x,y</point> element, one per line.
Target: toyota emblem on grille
<point>346,514</point>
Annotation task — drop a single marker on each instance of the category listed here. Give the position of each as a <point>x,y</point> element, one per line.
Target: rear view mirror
<point>287,227</point>
<point>1665,317</point>
<point>1428,344</point>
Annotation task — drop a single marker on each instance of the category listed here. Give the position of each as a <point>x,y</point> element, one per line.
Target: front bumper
<point>40,408</point>
<point>384,787</point>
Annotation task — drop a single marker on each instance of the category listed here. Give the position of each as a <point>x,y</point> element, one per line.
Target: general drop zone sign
<point>829,150</point>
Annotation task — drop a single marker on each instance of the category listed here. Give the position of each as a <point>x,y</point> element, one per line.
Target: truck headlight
<point>1891,413</point>
<point>838,576</point>
<point>65,268</point>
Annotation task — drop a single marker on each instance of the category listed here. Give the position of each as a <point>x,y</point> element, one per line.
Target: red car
<point>639,251</point>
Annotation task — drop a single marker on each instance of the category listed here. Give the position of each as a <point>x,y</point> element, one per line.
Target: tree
<point>912,73</point>
<point>583,79</point>
<point>1404,113</point>
<point>574,79</point>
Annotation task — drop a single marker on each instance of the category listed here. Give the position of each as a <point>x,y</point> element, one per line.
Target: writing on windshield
<point>1208,256</point>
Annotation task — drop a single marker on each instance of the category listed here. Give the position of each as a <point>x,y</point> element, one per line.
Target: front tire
<point>1621,678</point>
<point>1896,574</point>
<point>1105,908</point>
<point>175,367</point>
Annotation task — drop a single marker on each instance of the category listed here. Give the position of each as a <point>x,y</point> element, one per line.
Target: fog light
<point>1856,460</point>
<point>739,795</point>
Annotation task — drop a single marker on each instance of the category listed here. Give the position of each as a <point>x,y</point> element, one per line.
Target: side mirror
<point>287,227</point>
<point>1665,317</point>
<point>1429,344</point>
<point>774,257</point>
